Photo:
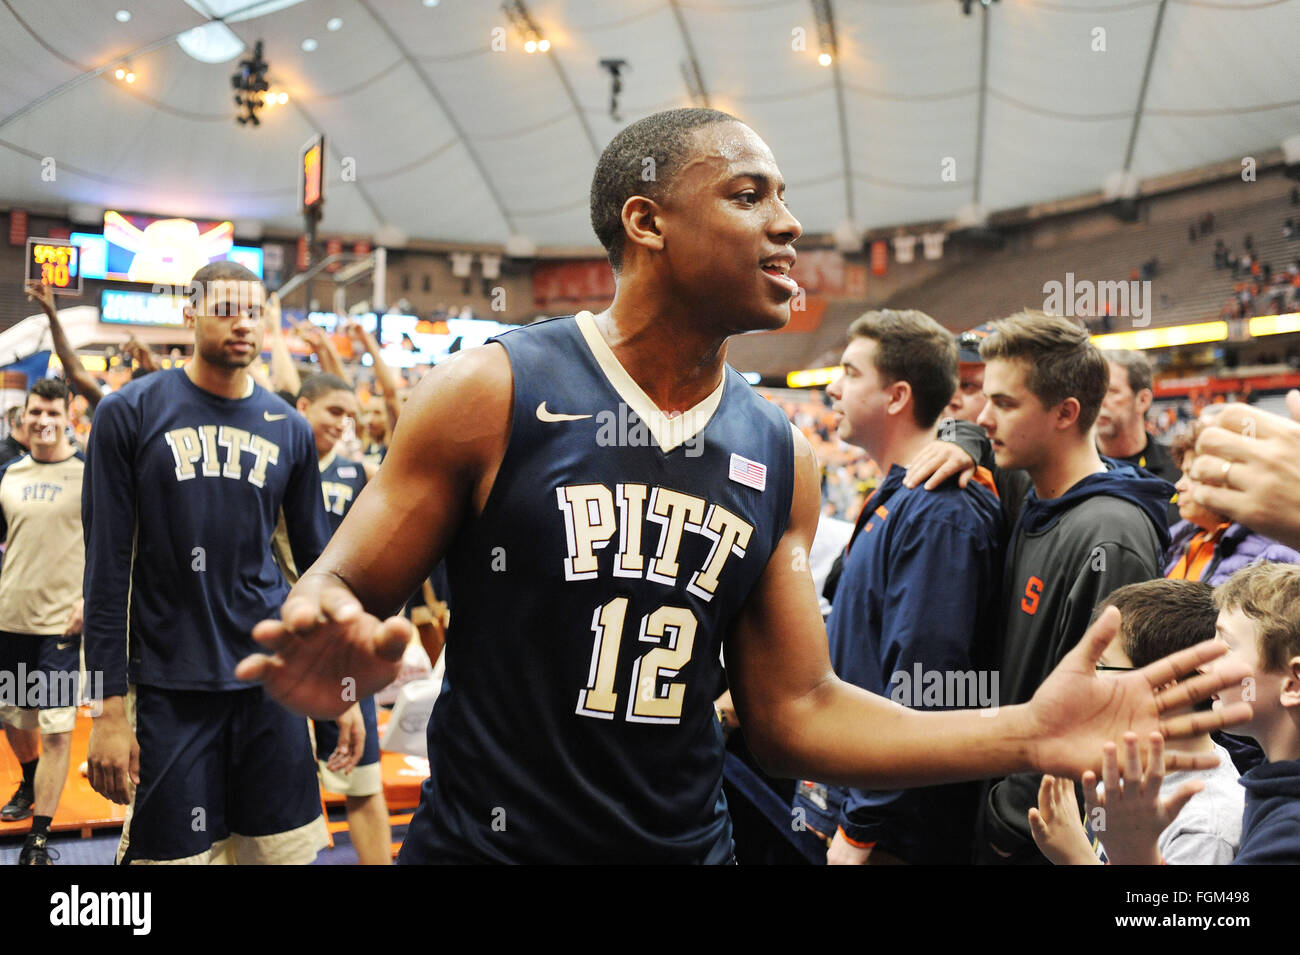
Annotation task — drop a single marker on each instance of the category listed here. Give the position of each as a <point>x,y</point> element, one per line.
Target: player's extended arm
<point>803,722</point>
<point>83,382</point>
<point>437,474</point>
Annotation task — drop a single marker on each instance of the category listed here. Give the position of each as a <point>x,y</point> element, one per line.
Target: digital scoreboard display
<point>56,263</point>
<point>312,173</point>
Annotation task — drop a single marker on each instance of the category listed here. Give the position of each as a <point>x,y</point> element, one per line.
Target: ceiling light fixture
<point>523,23</point>
<point>122,16</point>
<point>825,32</point>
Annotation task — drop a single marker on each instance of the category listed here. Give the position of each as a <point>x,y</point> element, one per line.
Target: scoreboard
<point>56,263</point>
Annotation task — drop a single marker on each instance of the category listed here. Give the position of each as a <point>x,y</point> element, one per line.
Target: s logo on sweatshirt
<point>1029,602</point>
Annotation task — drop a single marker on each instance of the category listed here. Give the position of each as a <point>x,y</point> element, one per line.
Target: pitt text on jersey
<point>221,450</point>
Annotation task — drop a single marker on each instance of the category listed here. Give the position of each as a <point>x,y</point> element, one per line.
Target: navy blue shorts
<point>42,674</point>
<point>217,766</point>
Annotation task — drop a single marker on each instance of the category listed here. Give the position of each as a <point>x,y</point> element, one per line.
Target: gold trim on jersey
<point>669,433</point>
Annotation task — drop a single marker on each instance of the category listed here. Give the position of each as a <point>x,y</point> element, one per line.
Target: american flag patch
<point>747,472</point>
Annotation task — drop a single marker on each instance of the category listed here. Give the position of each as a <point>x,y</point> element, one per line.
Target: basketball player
<point>187,472</point>
<point>40,610</point>
<point>615,503</point>
<point>327,402</point>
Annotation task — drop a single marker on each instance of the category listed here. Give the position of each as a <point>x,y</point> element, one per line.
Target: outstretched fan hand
<point>328,653</point>
<point>1077,711</point>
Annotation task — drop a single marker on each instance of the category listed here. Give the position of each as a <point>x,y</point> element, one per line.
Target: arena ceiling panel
<point>433,129</point>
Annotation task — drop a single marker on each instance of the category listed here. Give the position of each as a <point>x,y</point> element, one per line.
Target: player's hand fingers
<point>1168,669</point>
<point>1094,642</point>
<point>1185,692</point>
<point>338,604</point>
<point>1195,724</point>
<point>272,634</point>
<point>133,766</point>
<point>301,615</point>
<point>256,668</point>
<point>392,638</point>
<point>1155,766</point>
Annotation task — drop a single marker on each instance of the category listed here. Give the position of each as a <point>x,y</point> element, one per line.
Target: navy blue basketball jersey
<point>341,480</point>
<point>614,551</point>
<point>182,493</point>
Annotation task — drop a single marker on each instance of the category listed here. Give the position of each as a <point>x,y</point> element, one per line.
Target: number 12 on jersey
<point>648,702</point>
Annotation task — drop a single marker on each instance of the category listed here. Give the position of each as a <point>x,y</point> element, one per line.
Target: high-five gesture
<point>1077,711</point>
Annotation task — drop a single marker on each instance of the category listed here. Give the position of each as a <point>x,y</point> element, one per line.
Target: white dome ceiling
<point>451,140</point>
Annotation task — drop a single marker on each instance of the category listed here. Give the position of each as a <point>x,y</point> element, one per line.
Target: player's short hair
<point>319,385</point>
<point>1135,364</point>
<point>913,347</point>
<point>1059,360</point>
<point>641,161</point>
<point>1269,594</point>
<point>1161,616</point>
<point>51,389</point>
<point>223,273</point>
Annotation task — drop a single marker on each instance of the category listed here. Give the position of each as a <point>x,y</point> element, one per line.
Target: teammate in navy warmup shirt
<point>188,472</point>
<point>328,402</point>
<point>614,503</point>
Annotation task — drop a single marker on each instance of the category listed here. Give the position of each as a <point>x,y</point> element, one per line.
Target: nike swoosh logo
<point>64,646</point>
<point>273,417</point>
<point>544,415</point>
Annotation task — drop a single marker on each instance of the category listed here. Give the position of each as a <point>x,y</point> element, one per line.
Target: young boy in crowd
<point>1159,617</point>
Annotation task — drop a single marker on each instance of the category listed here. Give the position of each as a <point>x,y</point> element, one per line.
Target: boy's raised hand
<point>1130,815</point>
<point>1056,826</point>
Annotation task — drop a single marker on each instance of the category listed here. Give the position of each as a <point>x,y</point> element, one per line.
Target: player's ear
<point>302,405</point>
<point>641,224</point>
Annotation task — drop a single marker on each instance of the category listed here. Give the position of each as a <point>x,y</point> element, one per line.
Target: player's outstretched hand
<point>1247,468</point>
<point>1077,710</point>
<point>938,461</point>
<point>327,651</point>
<point>1056,827</point>
<point>1130,815</point>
